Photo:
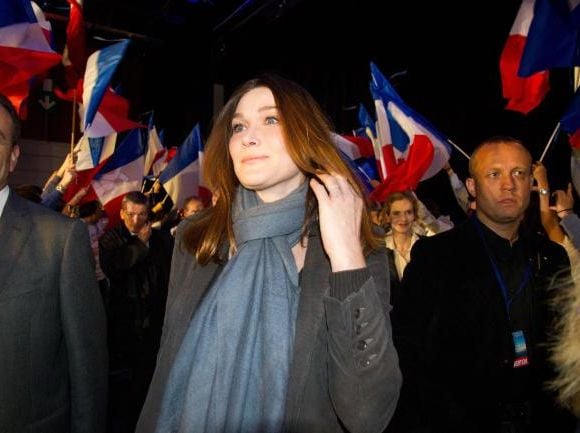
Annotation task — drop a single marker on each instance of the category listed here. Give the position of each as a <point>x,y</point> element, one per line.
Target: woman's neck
<point>402,241</point>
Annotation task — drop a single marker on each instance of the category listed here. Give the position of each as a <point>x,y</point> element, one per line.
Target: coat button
<point>362,345</point>
<point>360,327</point>
<point>358,312</point>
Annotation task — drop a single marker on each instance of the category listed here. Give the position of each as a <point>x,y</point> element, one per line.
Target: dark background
<point>449,51</point>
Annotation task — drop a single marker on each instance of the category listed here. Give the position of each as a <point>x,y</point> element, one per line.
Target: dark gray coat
<point>53,355</point>
<point>344,375</point>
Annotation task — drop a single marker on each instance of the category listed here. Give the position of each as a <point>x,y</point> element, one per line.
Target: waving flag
<point>553,37</point>
<point>411,148</point>
<point>104,111</point>
<point>351,154</point>
<point>367,123</point>
<point>570,122</point>
<point>74,57</point>
<point>155,155</point>
<point>92,151</point>
<point>112,116</point>
<point>544,36</point>
<point>123,172</point>
<point>25,50</point>
<point>181,176</point>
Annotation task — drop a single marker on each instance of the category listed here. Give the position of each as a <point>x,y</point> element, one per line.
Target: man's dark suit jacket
<point>454,340</point>
<point>53,354</point>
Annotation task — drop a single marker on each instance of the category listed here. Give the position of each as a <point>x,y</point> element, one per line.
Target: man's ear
<point>470,184</point>
<point>14,154</point>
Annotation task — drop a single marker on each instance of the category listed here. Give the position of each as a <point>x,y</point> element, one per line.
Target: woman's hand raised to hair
<point>340,212</point>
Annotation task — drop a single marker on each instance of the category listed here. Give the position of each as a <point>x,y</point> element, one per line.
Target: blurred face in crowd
<point>192,207</point>
<point>501,183</point>
<point>402,216</point>
<point>135,216</point>
<point>9,152</point>
<point>258,147</point>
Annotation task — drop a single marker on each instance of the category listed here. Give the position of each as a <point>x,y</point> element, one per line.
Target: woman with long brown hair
<point>277,317</point>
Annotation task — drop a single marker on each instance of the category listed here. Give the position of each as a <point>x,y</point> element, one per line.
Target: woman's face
<point>402,216</point>
<point>258,148</point>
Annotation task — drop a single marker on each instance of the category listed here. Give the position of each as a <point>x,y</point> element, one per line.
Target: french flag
<point>411,148</point>
<point>74,56</point>
<point>352,155</point>
<point>544,35</point>
<point>122,173</point>
<point>570,122</point>
<point>25,49</point>
<point>105,112</point>
<point>181,176</point>
<point>155,155</point>
<point>91,151</point>
<point>367,123</point>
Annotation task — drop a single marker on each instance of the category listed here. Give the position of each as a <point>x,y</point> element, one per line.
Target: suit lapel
<point>13,235</point>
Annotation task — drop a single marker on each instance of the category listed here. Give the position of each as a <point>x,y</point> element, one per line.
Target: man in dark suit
<point>136,258</point>
<point>53,355</point>
<point>474,314</point>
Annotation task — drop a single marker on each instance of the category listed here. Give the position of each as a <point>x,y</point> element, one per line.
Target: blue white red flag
<point>101,66</point>
<point>411,148</point>
<point>366,122</point>
<point>90,151</point>
<point>155,155</point>
<point>544,36</point>
<point>553,37</point>
<point>122,173</point>
<point>25,50</point>
<point>74,58</point>
<point>570,122</point>
<point>181,176</point>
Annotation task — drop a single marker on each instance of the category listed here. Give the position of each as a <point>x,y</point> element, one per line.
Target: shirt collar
<point>3,198</point>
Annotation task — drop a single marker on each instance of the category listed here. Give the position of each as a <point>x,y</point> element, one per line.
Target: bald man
<point>474,313</point>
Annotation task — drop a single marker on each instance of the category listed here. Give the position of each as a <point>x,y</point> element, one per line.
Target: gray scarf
<point>231,371</point>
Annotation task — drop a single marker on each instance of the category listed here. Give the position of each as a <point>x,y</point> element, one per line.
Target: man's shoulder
<point>547,248</point>
<point>456,237</point>
<point>38,213</point>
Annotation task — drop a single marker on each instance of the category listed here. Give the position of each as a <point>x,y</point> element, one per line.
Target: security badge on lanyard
<point>520,349</point>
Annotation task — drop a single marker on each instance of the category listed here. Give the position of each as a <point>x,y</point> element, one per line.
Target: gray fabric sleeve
<point>571,224</point>
<point>363,367</point>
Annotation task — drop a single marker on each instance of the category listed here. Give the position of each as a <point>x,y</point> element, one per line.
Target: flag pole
<point>550,141</point>
<point>458,148</point>
<point>72,131</point>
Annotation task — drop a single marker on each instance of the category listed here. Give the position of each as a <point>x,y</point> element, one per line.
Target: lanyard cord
<point>498,274</point>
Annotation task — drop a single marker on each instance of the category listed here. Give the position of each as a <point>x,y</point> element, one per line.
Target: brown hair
<point>135,197</point>
<point>307,135</point>
<point>396,196</point>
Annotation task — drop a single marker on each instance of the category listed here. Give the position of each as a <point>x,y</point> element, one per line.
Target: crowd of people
<point>287,304</point>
